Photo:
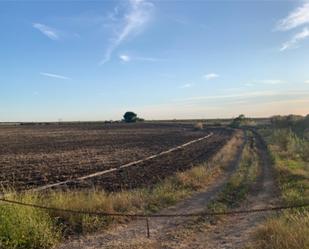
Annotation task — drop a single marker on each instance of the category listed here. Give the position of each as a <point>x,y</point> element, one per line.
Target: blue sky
<point>94,60</point>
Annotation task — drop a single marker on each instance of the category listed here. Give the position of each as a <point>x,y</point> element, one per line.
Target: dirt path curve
<point>234,232</point>
<point>133,233</point>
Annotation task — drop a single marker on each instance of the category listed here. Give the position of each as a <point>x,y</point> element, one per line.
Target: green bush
<point>26,228</point>
<point>290,144</point>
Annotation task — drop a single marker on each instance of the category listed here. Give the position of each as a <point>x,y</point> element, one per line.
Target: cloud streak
<point>137,15</point>
<point>211,76</point>
<point>124,58</point>
<point>47,31</point>
<point>128,58</point>
<point>296,18</point>
<point>294,41</point>
<point>56,76</point>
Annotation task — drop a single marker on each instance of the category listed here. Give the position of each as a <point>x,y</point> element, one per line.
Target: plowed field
<point>35,155</point>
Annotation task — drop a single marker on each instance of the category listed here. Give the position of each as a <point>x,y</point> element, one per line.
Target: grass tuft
<point>286,232</point>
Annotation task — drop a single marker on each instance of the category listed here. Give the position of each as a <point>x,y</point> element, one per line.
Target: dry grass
<point>286,232</point>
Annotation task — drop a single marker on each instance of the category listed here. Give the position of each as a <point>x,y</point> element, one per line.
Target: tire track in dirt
<point>123,236</point>
<point>235,231</point>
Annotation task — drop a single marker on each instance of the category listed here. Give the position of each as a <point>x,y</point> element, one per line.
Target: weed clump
<point>26,228</point>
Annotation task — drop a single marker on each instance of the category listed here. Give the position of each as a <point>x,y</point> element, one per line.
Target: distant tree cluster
<point>131,117</point>
<point>290,120</point>
<point>238,121</point>
<point>297,123</point>
<point>241,120</point>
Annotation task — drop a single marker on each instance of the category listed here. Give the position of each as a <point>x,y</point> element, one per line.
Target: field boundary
<point>134,163</point>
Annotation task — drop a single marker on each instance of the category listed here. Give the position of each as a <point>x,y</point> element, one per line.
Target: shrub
<point>26,228</point>
<point>238,121</point>
<point>290,144</point>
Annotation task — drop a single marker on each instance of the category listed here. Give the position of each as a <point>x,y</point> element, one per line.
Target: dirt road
<point>234,231</point>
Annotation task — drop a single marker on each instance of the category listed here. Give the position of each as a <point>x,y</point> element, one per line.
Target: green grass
<point>240,182</point>
<point>290,230</point>
<point>23,227</point>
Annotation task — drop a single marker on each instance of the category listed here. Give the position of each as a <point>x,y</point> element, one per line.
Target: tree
<point>130,117</point>
<point>237,122</point>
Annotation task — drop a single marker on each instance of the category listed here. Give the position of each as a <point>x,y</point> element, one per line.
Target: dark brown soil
<point>35,155</point>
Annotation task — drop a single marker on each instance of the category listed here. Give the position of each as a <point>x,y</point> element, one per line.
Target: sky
<point>93,60</point>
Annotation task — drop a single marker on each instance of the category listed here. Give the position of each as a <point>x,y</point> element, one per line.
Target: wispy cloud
<point>127,58</point>
<point>296,18</point>
<point>188,85</point>
<point>293,42</point>
<point>124,57</point>
<point>136,16</point>
<point>57,76</point>
<point>307,81</point>
<point>211,76</point>
<point>47,31</point>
